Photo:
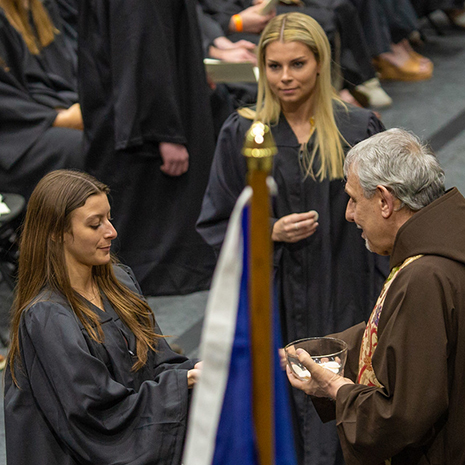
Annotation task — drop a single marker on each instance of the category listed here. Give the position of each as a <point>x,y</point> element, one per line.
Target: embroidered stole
<point>366,375</point>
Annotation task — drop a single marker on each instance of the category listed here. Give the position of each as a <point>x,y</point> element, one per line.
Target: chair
<point>9,224</point>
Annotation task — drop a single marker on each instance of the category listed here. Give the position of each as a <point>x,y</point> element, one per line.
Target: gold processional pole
<point>259,148</point>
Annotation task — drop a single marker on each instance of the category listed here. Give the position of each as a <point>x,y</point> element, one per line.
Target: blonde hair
<point>18,16</point>
<point>42,264</point>
<point>328,141</point>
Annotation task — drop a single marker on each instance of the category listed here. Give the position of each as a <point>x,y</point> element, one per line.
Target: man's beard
<point>367,245</point>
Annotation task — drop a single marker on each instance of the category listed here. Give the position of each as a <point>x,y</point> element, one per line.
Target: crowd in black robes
<point>327,282</point>
<point>338,18</point>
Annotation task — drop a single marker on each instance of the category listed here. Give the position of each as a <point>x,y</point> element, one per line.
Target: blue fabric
<point>235,441</point>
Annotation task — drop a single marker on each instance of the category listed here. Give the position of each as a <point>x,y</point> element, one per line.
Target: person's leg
<point>401,17</point>
<point>374,25</point>
<point>355,60</point>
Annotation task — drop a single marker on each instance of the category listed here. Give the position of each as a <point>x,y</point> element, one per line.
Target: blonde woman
<point>327,280</point>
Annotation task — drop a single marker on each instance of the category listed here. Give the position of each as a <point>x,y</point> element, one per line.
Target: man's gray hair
<point>397,160</point>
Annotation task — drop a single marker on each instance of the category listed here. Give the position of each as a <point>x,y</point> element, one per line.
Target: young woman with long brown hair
<point>326,278</point>
<point>89,378</point>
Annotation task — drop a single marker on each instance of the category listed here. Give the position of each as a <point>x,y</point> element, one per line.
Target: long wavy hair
<point>328,141</point>
<point>18,16</point>
<point>42,265</point>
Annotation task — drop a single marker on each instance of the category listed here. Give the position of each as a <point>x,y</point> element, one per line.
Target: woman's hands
<point>323,382</point>
<point>194,375</point>
<point>295,227</point>
<point>69,118</point>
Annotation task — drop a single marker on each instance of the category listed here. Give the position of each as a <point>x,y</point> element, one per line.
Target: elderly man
<point>401,401</point>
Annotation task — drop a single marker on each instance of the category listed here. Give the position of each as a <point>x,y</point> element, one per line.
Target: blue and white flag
<point>221,426</point>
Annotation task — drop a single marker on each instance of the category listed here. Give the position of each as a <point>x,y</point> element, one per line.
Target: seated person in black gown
<point>242,19</point>
<point>388,24</point>
<point>40,122</point>
<point>89,377</point>
<point>42,29</point>
<point>35,137</point>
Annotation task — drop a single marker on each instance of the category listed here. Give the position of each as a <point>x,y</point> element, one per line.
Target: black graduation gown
<point>59,58</point>
<point>79,401</point>
<point>401,17</point>
<point>333,16</point>
<point>209,28</point>
<point>375,25</point>
<point>142,82</point>
<point>327,282</point>
<point>30,146</point>
<point>68,12</point>
<point>424,7</point>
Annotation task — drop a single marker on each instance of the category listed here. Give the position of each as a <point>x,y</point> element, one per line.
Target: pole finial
<point>259,147</point>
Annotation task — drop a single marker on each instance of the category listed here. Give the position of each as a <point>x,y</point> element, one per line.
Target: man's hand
<point>323,382</point>
<point>295,227</point>
<point>175,158</point>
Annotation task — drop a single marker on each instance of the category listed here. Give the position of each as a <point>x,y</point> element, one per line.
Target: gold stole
<point>366,375</point>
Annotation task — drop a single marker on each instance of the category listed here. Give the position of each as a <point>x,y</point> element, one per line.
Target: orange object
<point>238,24</point>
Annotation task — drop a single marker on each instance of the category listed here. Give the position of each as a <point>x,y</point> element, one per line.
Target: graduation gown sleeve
<point>59,58</point>
<point>227,179</point>
<point>98,419</point>
<point>209,28</point>
<point>22,119</point>
<point>68,11</point>
<point>222,10</point>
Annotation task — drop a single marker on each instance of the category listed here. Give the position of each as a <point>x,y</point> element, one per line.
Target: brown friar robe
<point>417,417</point>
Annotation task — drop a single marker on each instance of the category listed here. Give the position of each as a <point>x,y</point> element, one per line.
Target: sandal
<point>426,62</point>
<point>409,71</point>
